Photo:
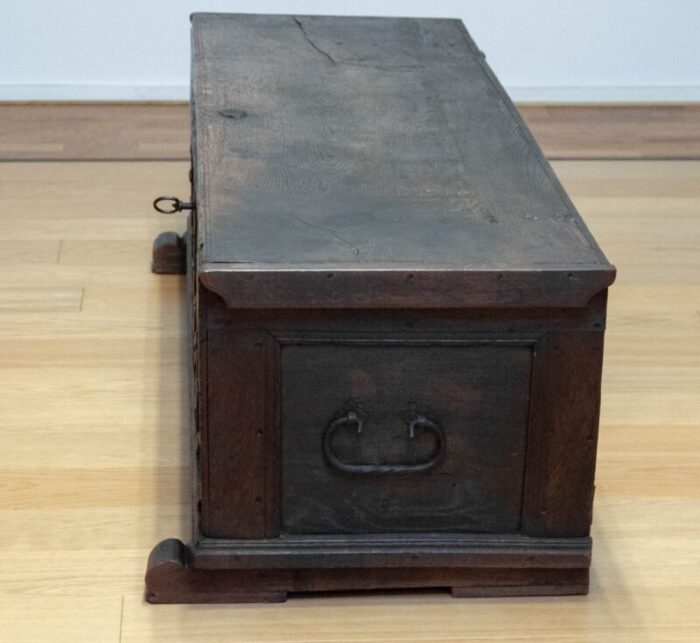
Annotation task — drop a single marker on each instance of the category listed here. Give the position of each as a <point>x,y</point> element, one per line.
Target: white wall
<point>540,49</point>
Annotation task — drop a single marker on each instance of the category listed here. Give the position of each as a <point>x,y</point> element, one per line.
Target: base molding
<point>171,577</point>
<point>393,550</point>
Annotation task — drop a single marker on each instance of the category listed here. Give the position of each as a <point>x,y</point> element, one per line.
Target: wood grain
<point>564,421</point>
<point>143,131</point>
<point>94,131</point>
<point>237,463</point>
<point>171,579</point>
<point>381,158</point>
<point>634,131</point>
<point>476,394</point>
<point>365,146</point>
<point>95,469</point>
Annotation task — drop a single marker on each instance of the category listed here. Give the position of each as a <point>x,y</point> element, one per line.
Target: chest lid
<point>373,162</point>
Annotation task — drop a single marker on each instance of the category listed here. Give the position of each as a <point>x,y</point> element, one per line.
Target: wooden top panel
<point>370,145</point>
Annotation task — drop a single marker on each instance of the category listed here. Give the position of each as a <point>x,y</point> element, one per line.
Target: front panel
<point>328,423</point>
<point>403,436</point>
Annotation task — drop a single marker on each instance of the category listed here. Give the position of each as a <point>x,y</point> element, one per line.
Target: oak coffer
<point>397,322</point>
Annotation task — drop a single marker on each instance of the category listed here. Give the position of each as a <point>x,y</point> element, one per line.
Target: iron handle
<point>419,422</point>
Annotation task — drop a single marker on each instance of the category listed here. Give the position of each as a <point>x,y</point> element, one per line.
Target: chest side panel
<point>468,403</point>
<point>515,398</point>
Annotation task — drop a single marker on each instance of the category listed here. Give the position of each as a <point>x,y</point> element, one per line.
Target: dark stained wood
<point>469,356</point>
<point>476,393</point>
<point>394,550</point>
<point>382,152</point>
<point>563,435</point>
<point>291,325</point>
<point>169,254</point>
<point>467,370</point>
<point>238,419</point>
<point>560,583</point>
<point>420,287</point>
<point>170,578</point>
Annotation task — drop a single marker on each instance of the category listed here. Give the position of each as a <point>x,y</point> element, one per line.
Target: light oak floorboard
<point>93,464</point>
<point>94,131</point>
<point>631,131</point>
<point>160,131</point>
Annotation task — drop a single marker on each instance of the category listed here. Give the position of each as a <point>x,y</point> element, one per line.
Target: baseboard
<point>148,130</point>
<point>615,95</point>
<point>573,94</point>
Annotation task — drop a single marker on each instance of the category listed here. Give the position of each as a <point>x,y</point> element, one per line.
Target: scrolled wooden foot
<point>171,579</point>
<point>169,254</point>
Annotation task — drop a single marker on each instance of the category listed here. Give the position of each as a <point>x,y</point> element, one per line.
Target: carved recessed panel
<point>403,437</point>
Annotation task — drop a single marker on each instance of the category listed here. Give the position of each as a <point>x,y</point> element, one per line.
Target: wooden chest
<point>397,322</point>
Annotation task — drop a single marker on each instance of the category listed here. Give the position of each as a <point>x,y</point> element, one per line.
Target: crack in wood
<point>297,22</point>
<point>334,234</point>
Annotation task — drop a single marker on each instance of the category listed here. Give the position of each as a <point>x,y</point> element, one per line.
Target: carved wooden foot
<point>169,254</point>
<point>171,579</point>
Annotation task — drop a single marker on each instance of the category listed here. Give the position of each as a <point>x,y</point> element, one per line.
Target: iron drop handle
<point>418,423</point>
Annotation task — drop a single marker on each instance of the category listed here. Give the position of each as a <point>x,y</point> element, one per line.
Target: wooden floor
<point>93,470</point>
<point>143,131</point>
